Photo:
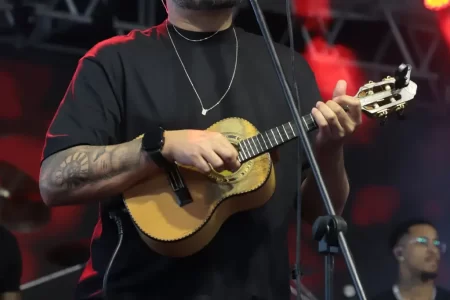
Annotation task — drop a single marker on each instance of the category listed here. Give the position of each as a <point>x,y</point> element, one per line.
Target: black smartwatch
<point>152,143</point>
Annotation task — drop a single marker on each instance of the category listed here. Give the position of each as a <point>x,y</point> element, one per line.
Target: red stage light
<point>436,4</point>
<point>444,24</point>
<point>312,11</point>
<point>326,62</point>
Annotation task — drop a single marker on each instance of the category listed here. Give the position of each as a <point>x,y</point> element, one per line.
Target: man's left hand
<point>334,122</point>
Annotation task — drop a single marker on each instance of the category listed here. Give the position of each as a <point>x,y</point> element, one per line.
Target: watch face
<point>153,140</point>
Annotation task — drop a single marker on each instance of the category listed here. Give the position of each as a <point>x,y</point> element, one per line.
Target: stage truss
<point>393,13</point>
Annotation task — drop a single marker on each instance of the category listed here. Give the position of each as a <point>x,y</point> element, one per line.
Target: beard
<point>427,276</point>
<point>206,4</point>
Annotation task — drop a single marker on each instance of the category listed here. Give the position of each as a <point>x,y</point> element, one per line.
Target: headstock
<point>379,99</point>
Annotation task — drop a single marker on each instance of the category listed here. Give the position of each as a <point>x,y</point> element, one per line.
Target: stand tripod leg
<point>329,273</point>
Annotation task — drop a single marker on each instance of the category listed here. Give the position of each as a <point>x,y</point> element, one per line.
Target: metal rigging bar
<point>395,14</point>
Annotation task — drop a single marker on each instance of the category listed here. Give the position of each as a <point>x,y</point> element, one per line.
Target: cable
<point>297,270</point>
<point>113,257</point>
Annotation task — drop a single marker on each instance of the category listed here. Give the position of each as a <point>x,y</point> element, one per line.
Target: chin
<point>432,267</point>
<point>206,4</point>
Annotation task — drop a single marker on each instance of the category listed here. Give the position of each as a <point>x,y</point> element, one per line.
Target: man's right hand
<point>200,149</point>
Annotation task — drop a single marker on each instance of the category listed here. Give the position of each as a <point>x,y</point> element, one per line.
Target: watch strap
<point>152,143</point>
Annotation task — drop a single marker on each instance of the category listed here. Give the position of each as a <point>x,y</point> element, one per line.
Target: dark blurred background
<point>397,171</point>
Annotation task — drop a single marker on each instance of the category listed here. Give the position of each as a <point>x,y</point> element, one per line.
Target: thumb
<point>340,89</point>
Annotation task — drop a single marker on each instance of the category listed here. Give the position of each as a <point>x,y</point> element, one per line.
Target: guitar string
<point>269,136</point>
<point>285,133</point>
<point>288,134</point>
<point>250,152</point>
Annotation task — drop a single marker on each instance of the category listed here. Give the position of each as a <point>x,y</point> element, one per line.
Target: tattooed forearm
<point>92,171</point>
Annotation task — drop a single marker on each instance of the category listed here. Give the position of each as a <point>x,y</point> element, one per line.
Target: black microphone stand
<point>326,230</point>
<point>332,231</point>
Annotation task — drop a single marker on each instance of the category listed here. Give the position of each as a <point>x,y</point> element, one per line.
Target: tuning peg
<point>401,115</point>
<point>382,115</point>
<point>387,78</point>
<point>400,107</point>
<point>402,76</point>
<point>400,110</point>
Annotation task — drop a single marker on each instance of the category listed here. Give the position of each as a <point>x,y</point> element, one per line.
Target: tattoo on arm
<point>84,165</point>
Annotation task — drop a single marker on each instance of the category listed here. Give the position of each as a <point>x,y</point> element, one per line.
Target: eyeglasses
<point>421,240</point>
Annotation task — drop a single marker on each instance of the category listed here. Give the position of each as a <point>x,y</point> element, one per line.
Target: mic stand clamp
<point>326,230</point>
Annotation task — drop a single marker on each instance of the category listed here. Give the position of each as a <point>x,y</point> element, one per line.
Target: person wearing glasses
<point>418,250</point>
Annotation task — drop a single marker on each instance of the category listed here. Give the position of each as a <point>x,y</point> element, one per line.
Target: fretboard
<point>272,138</point>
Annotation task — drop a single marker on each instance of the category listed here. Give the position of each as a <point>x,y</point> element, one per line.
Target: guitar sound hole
<point>227,173</point>
<point>227,176</point>
<point>224,173</point>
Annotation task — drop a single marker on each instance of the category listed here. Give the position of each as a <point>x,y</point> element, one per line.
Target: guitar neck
<point>272,138</point>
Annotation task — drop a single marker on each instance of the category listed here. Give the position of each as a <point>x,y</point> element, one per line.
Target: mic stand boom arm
<point>307,145</point>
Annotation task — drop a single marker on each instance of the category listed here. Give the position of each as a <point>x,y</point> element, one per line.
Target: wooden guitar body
<point>175,229</point>
<point>179,214</point>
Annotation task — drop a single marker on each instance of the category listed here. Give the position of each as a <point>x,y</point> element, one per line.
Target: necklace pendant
<point>204,111</point>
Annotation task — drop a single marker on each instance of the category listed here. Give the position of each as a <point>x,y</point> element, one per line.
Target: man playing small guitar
<point>167,84</point>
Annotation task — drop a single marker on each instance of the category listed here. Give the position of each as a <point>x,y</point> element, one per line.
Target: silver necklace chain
<point>199,40</point>
<point>205,110</point>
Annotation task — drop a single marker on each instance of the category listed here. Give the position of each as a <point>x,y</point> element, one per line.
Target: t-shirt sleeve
<point>89,113</point>
<point>11,282</point>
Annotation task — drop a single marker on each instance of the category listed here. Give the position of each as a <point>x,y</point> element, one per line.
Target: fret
<point>246,150</point>
<point>290,125</point>
<point>265,144</point>
<point>246,155</point>
<point>276,142</point>
<point>256,147</point>
<point>281,137</point>
<point>306,124</point>
<point>272,138</point>
<point>268,138</point>
<point>257,139</point>
<point>309,122</point>
<point>287,135</point>
<point>250,146</point>
<point>241,156</point>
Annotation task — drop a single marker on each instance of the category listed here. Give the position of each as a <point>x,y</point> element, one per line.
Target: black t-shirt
<point>126,84</point>
<point>441,294</point>
<point>10,262</point>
